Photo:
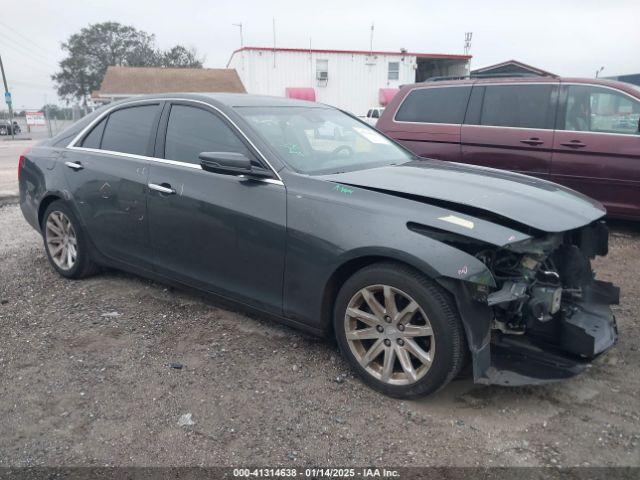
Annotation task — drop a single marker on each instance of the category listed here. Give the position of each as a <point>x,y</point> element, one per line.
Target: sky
<point>570,38</point>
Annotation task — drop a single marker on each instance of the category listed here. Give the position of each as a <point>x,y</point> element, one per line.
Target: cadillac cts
<point>308,215</point>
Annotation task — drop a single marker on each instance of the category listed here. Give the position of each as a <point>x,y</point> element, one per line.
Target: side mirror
<point>225,162</point>
<point>231,163</point>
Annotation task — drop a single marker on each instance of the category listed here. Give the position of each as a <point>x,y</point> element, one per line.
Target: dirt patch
<point>86,379</point>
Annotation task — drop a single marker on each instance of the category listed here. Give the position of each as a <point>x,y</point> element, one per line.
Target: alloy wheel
<point>62,241</point>
<point>389,334</point>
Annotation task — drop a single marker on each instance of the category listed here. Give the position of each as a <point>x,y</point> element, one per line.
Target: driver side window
<point>597,109</point>
<point>193,130</point>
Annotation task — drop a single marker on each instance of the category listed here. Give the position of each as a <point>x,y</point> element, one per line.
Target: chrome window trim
<point>601,86</point>
<point>77,138</point>
<point>177,163</point>
<point>510,128</point>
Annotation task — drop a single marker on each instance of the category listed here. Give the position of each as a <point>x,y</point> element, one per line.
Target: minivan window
<point>128,130</point>
<point>597,109</point>
<point>434,105</point>
<point>193,130</point>
<point>523,106</point>
<point>92,140</point>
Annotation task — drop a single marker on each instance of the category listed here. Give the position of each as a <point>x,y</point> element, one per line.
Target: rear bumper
<point>585,332</point>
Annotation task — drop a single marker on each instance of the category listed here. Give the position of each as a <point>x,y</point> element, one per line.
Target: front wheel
<point>399,330</point>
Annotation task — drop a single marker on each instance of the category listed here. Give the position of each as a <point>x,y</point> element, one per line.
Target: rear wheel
<point>399,330</point>
<point>65,242</point>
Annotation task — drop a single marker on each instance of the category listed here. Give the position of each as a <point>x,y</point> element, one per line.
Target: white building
<point>349,79</point>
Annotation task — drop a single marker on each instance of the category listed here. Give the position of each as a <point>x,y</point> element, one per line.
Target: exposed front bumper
<point>586,331</point>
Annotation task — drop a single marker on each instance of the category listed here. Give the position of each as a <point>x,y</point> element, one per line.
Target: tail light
<point>21,161</point>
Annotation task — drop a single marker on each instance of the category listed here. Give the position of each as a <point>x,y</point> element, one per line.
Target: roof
<point>629,88</point>
<point>230,99</point>
<point>141,80</point>
<point>516,63</point>
<point>354,52</point>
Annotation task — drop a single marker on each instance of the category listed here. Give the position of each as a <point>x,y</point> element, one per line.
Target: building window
<point>322,70</point>
<point>394,71</point>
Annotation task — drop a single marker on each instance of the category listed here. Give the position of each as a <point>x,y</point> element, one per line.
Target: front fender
<point>449,262</point>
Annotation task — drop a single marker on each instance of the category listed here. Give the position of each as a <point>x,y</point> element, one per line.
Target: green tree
<point>181,57</point>
<point>98,46</point>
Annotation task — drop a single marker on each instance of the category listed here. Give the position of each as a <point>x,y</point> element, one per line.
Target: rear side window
<point>192,130</point>
<point>129,130</point>
<point>92,140</point>
<point>524,106</point>
<point>434,105</point>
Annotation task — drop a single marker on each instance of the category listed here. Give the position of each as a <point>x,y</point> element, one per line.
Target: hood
<point>481,192</point>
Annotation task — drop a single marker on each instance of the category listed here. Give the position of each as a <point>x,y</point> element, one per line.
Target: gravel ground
<point>86,379</point>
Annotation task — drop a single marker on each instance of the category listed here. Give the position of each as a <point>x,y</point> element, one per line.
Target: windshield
<point>322,140</point>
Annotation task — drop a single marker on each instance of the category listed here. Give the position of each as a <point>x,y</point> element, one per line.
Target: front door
<point>597,146</point>
<point>221,233</point>
<point>510,127</point>
<point>106,172</point>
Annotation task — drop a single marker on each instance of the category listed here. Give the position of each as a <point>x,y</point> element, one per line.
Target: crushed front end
<point>548,314</point>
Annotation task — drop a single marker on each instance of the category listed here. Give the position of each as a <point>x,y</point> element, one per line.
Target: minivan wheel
<point>399,330</point>
<point>65,242</point>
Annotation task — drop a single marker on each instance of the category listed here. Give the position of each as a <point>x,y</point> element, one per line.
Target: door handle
<point>74,165</point>
<point>532,141</point>
<point>165,188</point>
<point>574,144</point>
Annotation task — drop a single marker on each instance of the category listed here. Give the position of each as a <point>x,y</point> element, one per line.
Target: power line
<point>22,57</point>
<point>25,51</point>
<point>25,38</point>
<point>31,84</point>
<point>35,64</point>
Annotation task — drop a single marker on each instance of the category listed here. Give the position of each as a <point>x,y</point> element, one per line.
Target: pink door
<point>510,127</point>
<point>597,147</point>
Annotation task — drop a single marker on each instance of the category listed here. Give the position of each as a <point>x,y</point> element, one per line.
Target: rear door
<point>428,121</point>
<point>106,172</point>
<point>221,233</point>
<point>510,127</point>
<point>597,146</point>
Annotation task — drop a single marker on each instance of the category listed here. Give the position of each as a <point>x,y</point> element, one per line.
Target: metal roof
<point>354,52</point>
<point>120,81</point>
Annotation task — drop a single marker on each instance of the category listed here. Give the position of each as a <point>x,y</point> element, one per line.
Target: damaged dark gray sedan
<point>303,213</point>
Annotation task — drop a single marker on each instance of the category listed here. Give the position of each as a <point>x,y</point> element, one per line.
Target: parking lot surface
<point>10,151</point>
<point>87,378</point>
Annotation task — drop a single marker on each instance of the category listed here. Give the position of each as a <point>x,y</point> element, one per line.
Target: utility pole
<point>467,49</point>
<point>7,97</point>
<point>274,42</point>
<point>371,42</point>
<point>239,25</point>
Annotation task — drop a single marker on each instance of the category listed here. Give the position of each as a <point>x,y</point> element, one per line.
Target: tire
<point>73,238</point>
<point>441,355</point>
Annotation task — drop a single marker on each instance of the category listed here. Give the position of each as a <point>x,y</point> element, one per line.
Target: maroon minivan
<point>582,133</point>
